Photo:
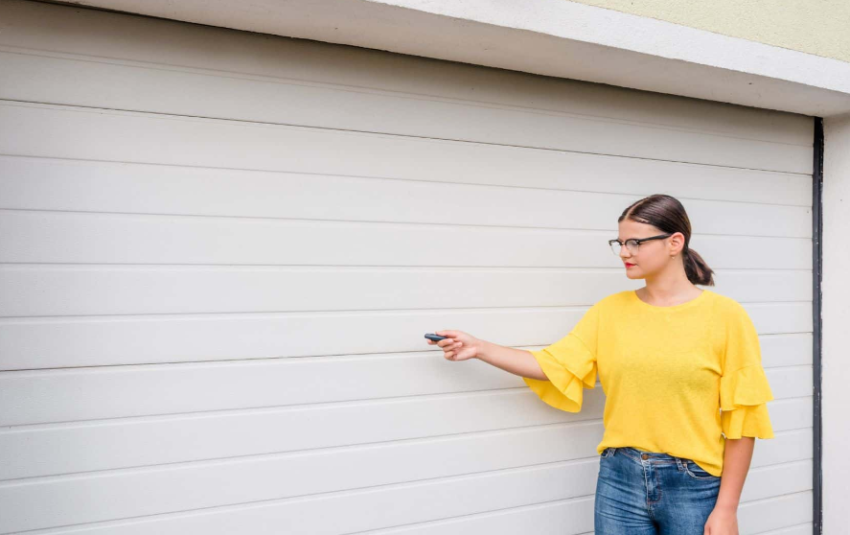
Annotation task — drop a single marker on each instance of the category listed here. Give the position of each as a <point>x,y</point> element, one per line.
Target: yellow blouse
<point>676,379</point>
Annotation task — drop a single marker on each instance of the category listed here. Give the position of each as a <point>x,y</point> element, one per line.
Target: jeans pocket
<point>696,471</point>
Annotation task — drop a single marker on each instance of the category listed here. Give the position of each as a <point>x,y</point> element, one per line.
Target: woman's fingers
<point>451,345</point>
<point>455,355</point>
<point>447,342</point>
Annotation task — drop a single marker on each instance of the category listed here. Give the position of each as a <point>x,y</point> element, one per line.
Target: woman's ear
<point>677,243</point>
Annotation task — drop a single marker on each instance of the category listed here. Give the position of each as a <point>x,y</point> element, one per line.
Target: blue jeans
<point>643,493</point>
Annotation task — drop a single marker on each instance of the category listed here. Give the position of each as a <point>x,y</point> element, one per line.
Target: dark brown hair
<point>668,214</point>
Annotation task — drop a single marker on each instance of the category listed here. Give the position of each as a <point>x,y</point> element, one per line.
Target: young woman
<point>681,369</point>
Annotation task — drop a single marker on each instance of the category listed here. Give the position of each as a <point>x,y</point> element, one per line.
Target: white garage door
<point>220,252</point>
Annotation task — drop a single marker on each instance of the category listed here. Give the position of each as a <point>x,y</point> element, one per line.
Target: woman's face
<point>653,257</point>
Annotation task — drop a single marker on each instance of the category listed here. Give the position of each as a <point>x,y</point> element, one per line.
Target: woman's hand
<point>458,345</point>
<point>721,522</point>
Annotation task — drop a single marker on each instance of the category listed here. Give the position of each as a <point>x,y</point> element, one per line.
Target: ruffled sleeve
<point>744,388</point>
<point>569,364</point>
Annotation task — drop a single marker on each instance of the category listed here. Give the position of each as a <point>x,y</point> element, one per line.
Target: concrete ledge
<point>554,38</point>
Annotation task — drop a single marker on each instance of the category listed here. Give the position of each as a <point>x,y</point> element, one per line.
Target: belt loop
<point>680,464</point>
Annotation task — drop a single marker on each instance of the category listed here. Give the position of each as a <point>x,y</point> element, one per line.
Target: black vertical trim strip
<point>817,267</point>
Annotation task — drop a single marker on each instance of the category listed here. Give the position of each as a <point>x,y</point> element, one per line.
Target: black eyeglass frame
<point>637,241</point>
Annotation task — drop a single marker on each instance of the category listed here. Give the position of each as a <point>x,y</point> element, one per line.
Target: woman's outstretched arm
<point>462,346</point>
<point>517,361</point>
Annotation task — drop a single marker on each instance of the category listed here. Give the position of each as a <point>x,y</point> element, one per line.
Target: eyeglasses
<point>633,244</point>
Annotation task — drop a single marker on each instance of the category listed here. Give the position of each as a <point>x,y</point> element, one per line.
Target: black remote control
<point>435,337</point>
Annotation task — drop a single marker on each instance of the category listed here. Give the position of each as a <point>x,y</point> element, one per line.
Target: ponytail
<point>696,269</point>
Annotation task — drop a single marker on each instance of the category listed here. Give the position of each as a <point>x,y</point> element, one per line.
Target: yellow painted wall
<point>819,27</point>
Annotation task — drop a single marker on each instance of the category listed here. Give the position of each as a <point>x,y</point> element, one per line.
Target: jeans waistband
<point>647,456</point>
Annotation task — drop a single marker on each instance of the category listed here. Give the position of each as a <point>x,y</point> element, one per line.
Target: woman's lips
<point>629,265</point>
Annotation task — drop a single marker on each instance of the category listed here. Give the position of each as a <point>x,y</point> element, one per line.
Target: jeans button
<point>644,456</point>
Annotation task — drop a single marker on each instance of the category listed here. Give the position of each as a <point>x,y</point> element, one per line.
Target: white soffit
<point>549,37</point>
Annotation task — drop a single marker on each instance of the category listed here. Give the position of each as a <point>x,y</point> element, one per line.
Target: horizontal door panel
<point>139,492</point>
<point>98,290</point>
<point>169,489</point>
<point>782,511</point>
<point>126,443</point>
<point>786,478</point>
<point>412,171</point>
<point>50,343</point>
<point>63,237</point>
<point>173,93</point>
<point>47,396</point>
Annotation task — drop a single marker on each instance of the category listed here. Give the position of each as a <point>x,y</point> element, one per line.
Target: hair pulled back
<point>668,214</point>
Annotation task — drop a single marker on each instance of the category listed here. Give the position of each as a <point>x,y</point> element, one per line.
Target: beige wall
<point>818,27</point>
